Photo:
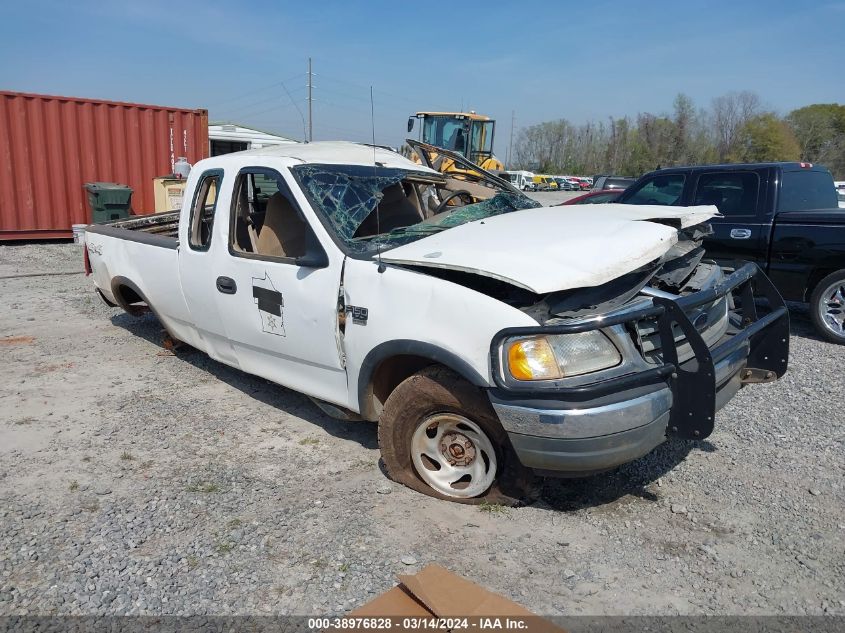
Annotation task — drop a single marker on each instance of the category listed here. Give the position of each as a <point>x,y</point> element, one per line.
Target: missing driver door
<point>282,320</point>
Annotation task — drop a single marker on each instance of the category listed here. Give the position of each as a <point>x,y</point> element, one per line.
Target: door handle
<point>740,234</point>
<point>226,285</point>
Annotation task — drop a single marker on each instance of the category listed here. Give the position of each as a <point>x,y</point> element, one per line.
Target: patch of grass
<point>236,522</point>
<point>204,486</point>
<point>26,420</point>
<point>74,486</point>
<point>361,464</point>
<point>319,563</point>
<point>192,561</point>
<point>493,508</point>
<point>309,441</point>
<point>147,464</point>
<point>224,547</point>
<point>343,567</point>
<point>127,456</point>
<point>91,505</point>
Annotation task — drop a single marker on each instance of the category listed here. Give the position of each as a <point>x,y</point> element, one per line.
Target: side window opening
<point>265,219</point>
<point>202,212</point>
<point>733,193</point>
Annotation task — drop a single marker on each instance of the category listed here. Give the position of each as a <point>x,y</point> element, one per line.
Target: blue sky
<point>543,60</point>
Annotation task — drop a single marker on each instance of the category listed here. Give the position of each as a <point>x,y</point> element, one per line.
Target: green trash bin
<point>108,201</point>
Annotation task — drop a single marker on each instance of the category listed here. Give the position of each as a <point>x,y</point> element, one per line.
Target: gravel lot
<point>138,481</point>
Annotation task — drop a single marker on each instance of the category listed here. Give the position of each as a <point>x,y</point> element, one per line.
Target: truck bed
<point>158,229</point>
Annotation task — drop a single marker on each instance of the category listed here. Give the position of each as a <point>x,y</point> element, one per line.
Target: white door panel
<point>282,321</point>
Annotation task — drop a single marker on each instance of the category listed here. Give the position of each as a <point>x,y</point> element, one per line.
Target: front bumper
<point>600,425</point>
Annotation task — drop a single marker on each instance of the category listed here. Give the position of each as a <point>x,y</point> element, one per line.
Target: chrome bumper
<point>608,419</point>
<point>601,425</point>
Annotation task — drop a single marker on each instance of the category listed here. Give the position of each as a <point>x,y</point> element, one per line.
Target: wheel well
<point>816,276</point>
<point>128,298</point>
<point>387,375</point>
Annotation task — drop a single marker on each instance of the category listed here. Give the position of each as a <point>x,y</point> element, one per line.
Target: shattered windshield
<point>411,205</point>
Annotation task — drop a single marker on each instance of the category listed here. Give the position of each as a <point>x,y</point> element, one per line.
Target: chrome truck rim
<point>453,455</point>
<point>832,308</point>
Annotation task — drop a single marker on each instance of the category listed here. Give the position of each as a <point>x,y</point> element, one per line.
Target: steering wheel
<point>447,199</point>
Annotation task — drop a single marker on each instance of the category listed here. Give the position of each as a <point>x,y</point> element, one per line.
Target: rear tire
<point>437,409</point>
<point>827,307</point>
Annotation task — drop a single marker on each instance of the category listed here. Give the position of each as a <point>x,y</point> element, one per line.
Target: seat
<point>284,231</point>
<point>456,142</point>
<point>395,210</point>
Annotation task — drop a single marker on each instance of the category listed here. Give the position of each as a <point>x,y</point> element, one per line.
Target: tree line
<point>736,128</point>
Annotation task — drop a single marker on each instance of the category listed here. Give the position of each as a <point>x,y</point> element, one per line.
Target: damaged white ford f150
<point>494,340</point>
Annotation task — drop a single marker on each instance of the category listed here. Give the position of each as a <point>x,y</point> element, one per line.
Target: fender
<point>406,347</point>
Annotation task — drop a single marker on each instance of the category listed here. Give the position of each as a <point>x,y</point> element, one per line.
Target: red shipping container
<point>51,146</point>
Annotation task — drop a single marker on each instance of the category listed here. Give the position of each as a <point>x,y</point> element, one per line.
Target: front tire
<point>827,307</point>
<point>439,435</point>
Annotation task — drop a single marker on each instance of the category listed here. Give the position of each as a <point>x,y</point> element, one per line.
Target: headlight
<point>560,355</point>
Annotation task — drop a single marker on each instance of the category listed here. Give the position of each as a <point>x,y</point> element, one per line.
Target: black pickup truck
<point>783,216</point>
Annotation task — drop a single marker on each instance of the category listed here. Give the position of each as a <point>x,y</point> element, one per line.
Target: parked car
<point>612,182</point>
<point>574,183</point>
<point>595,197</point>
<point>562,183</point>
<point>840,191</point>
<point>544,183</point>
<point>491,339</point>
<point>782,216</point>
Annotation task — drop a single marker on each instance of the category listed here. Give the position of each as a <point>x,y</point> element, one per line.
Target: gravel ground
<point>135,481</point>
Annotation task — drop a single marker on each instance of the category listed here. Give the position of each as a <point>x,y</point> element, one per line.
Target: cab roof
<point>467,115</point>
<point>331,153</point>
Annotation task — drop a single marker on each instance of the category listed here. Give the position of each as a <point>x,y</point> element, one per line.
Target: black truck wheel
<point>439,435</point>
<point>827,307</point>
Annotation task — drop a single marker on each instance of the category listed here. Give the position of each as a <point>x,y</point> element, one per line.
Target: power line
<point>255,103</point>
<point>254,92</point>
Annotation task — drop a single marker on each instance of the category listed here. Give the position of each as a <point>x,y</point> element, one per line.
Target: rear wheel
<point>827,307</point>
<point>439,435</point>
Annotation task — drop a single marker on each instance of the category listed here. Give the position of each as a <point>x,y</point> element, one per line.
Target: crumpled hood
<point>549,249</point>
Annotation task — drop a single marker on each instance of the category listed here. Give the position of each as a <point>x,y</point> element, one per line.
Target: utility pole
<point>510,145</point>
<point>310,118</point>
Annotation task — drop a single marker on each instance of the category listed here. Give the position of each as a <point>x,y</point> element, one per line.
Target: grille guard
<point>693,383</point>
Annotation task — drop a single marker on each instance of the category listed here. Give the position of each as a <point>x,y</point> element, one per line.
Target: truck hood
<point>549,249</point>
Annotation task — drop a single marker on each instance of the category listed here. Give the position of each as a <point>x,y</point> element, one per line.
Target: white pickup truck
<point>493,340</point>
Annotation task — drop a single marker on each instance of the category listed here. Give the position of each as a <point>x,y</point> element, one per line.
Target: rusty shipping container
<point>51,146</point>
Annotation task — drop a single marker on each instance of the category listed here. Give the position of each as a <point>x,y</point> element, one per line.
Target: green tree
<point>765,137</point>
<point>820,130</point>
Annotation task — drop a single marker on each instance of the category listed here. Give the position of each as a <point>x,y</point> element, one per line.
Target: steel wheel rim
<point>832,308</point>
<point>453,455</point>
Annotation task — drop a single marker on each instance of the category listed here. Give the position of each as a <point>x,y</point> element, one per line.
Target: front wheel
<point>827,307</point>
<point>439,435</point>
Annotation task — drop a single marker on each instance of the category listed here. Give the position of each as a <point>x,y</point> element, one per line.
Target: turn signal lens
<point>532,359</point>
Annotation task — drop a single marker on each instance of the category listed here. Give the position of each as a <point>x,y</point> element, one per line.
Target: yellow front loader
<point>465,133</point>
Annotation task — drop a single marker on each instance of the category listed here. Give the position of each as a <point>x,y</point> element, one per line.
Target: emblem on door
<point>270,305</point>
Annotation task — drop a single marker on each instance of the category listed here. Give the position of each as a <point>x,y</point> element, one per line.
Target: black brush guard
<point>693,382</point>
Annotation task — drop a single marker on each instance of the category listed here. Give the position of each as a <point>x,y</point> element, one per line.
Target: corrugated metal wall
<point>51,146</point>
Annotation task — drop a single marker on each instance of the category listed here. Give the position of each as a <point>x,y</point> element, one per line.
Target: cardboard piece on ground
<point>436,592</point>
